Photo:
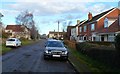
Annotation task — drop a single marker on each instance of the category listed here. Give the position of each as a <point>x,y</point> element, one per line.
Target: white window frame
<point>92,27</point>
<point>80,29</point>
<point>85,28</point>
<point>105,22</point>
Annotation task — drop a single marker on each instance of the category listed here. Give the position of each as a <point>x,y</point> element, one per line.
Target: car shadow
<point>55,59</point>
<point>12,47</point>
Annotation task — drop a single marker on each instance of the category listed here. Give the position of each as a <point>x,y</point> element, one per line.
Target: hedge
<point>117,42</point>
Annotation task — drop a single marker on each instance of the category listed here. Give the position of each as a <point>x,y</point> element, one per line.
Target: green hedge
<point>6,35</point>
<point>102,43</point>
<point>101,52</point>
<point>85,46</point>
<point>117,42</point>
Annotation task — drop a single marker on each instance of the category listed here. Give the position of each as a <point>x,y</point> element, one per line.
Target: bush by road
<point>105,57</point>
<point>117,42</point>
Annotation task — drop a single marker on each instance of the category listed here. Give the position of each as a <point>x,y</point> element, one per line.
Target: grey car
<point>55,49</point>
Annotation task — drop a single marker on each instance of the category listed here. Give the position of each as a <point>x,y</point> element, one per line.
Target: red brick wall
<point>115,27</point>
<point>100,23</point>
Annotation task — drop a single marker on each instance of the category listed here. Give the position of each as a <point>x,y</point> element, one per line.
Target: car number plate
<point>56,55</point>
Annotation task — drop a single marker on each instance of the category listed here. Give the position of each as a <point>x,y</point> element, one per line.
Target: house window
<point>85,28</point>
<point>105,23</point>
<point>92,27</point>
<point>80,29</point>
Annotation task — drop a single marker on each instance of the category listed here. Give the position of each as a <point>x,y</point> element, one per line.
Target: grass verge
<point>84,63</point>
<point>78,62</point>
<point>4,49</point>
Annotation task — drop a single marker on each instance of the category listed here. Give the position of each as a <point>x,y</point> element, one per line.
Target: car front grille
<point>57,52</point>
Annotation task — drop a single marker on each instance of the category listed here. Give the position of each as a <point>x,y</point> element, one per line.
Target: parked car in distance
<point>13,42</point>
<point>55,49</point>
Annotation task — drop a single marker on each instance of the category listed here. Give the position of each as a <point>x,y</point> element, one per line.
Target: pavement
<point>30,59</point>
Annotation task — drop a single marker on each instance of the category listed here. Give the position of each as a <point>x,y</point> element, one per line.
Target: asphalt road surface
<point>30,59</point>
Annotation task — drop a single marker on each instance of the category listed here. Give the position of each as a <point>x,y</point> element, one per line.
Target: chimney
<point>78,21</point>
<point>89,16</point>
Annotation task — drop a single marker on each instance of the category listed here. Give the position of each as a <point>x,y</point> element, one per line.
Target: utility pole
<point>58,30</point>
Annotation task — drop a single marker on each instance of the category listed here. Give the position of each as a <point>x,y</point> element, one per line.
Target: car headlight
<point>64,52</point>
<point>47,51</point>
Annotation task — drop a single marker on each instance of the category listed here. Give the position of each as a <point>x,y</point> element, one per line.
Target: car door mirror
<point>65,46</point>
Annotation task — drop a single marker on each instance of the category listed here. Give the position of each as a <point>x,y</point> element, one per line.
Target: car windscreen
<point>54,44</point>
<point>11,40</point>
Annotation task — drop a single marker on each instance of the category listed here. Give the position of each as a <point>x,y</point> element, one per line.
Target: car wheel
<point>65,58</point>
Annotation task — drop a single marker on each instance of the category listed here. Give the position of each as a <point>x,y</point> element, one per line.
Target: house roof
<point>96,17</point>
<point>15,28</point>
<point>80,23</point>
<point>71,26</point>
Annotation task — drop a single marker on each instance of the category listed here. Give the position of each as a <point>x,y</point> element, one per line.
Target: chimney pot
<point>78,21</point>
<point>89,16</point>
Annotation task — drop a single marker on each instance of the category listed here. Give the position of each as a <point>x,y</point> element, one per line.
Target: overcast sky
<point>48,12</point>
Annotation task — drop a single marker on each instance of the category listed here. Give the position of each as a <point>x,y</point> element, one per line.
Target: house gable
<point>112,17</point>
<point>113,10</point>
<point>15,28</point>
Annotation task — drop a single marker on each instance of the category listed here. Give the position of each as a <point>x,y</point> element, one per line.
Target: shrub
<point>6,35</point>
<point>23,39</point>
<point>65,42</point>
<point>117,42</point>
<point>83,47</point>
<point>102,43</point>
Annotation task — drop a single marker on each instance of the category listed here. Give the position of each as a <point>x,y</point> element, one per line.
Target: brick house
<point>53,34</point>
<point>74,31</point>
<point>18,31</point>
<point>69,31</point>
<point>102,27</point>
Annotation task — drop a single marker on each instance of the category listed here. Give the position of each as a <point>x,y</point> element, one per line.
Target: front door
<point>102,37</point>
<point>93,38</point>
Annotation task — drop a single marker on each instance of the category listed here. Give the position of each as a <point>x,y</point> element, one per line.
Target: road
<point>30,59</point>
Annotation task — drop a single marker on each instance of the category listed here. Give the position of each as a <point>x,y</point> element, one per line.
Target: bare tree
<point>69,23</point>
<point>64,26</point>
<point>26,18</point>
